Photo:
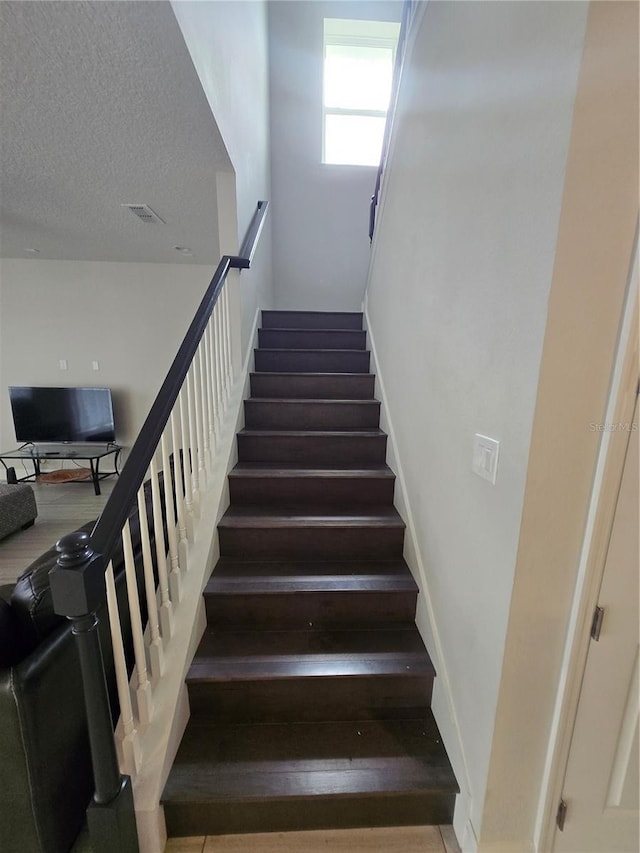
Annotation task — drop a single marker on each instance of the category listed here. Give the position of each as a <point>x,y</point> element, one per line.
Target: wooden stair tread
<point>265,668</point>
<point>314,401</point>
<point>309,434</point>
<point>229,567</point>
<point>313,583</point>
<point>311,374</point>
<point>274,319</point>
<point>310,351</point>
<point>295,328</point>
<point>301,760</point>
<point>294,469</point>
<point>297,516</point>
<point>310,688</point>
<point>299,644</point>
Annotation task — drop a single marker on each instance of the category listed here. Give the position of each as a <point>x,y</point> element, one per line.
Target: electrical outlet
<point>95,365</point>
<point>62,364</point>
<point>484,462</point>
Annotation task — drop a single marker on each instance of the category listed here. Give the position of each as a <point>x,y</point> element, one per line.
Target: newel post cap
<point>74,548</point>
<point>77,579</point>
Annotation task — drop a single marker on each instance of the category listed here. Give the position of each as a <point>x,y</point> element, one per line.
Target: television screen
<point>62,414</point>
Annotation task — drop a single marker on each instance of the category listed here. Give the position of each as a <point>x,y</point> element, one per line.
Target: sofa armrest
<point>45,773</point>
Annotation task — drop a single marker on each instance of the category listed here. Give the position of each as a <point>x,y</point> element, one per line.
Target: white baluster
<point>170,515</point>
<point>217,425</point>
<point>143,695</point>
<point>201,436</point>
<point>209,438</point>
<point>179,481</point>
<point>156,650</point>
<point>166,606</point>
<point>127,744</point>
<point>187,456</point>
<point>227,306</point>
<point>226,344</point>
<point>219,361</point>
<point>211,391</point>
<point>193,441</point>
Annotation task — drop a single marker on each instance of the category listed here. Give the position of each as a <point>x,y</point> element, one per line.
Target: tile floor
<point>404,839</point>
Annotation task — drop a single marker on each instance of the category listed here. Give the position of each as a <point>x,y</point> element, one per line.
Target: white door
<point>601,783</point>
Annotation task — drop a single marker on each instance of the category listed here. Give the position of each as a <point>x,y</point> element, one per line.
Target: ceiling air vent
<point>144,213</point>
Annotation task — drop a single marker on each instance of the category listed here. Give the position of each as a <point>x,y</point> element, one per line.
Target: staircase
<point>310,689</point>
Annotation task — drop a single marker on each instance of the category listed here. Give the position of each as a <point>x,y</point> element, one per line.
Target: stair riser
<point>312,416</point>
<point>232,817</point>
<point>331,450</point>
<point>321,491</point>
<point>372,697</point>
<point>300,610</point>
<point>312,339</point>
<point>346,387</point>
<point>323,542</point>
<point>311,320</point>
<point>314,361</point>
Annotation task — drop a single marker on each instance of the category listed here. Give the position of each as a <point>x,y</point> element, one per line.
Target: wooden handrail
<point>110,523</point>
<point>78,586</point>
<point>393,100</point>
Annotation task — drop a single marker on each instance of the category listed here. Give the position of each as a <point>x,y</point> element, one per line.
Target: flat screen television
<point>62,414</point>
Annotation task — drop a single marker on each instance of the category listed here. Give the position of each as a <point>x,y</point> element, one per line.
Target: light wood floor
<point>61,508</point>
<point>402,839</point>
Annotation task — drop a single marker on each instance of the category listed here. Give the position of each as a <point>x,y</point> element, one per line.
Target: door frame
<point>602,504</point>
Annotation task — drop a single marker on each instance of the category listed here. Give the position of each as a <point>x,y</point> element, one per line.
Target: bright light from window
<point>353,140</point>
<point>358,73</point>
<point>357,78</point>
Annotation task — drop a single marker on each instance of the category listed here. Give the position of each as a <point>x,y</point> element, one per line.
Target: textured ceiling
<point>100,105</point>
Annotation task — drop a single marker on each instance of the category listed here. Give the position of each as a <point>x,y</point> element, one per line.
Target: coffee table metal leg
<point>94,475</point>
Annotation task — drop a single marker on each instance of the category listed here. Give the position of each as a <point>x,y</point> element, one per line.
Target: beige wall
<point>320,212</point>
<point>228,44</point>
<point>591,270</point>
<point>130,318</point>
<point>457,305</point>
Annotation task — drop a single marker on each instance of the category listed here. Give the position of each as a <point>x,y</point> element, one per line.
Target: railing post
<point>78,591</point>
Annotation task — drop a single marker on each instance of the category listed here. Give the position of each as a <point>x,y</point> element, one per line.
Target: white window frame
<point>351,33</point>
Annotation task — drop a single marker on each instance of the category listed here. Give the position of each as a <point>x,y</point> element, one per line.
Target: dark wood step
<point>258,532</point>
<point>364,447</point>
<point>312,339</point>
<point>297,595</point>
<point>230,567</point>
<point>311,361</point>
<point>276,676</point>
<point>311,320</point>
<point>277,484</point>
<point>317,386</point>
<point>268,778</point>
<point>311,414</point>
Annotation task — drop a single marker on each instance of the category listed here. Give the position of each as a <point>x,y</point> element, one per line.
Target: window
<point>358,72</point>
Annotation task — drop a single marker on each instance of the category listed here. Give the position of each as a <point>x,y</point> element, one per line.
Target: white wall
<point>457,305</point>
<point>130,317</point>
<point>320,212</point>
<point>229,49</point>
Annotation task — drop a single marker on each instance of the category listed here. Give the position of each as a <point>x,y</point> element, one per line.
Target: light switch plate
<point>484,462</point>
<point>62,364</point>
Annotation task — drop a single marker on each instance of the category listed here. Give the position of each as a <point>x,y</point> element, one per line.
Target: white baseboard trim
<point>442,701</point>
